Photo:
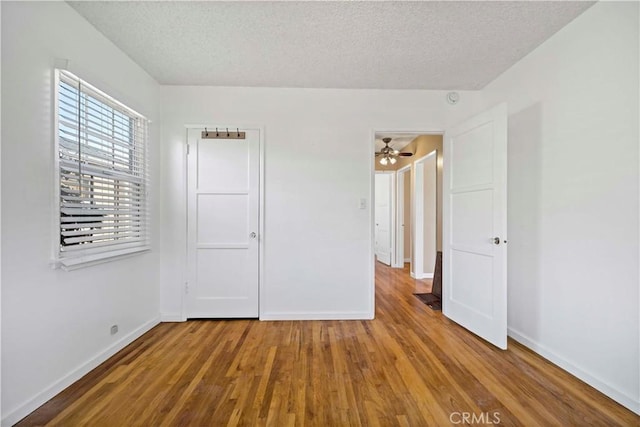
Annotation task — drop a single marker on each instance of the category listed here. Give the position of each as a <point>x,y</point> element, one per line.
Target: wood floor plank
<point>410,366</point>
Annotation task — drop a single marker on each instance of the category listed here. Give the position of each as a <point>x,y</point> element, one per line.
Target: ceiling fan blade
<point>405,154</point>
<point>378,153</point>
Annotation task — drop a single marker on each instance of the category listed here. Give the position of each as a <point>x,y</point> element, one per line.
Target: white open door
<point>402,199</point>
<point>475,225</point>
<point>223,214</point>
<point>383,212</point>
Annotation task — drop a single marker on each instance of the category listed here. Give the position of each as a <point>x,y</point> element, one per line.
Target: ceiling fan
<point>389,154</point>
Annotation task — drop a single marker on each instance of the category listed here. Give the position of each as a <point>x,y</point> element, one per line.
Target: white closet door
<point>223,212</point>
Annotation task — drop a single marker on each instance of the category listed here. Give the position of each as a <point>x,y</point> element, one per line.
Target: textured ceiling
<point>384,45</point>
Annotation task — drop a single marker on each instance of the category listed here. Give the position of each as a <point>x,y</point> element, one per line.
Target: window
<point>102,175</point>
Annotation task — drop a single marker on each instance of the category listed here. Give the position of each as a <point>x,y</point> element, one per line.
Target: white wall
<point>573,198</point>
<point>55,324</point>
<point>318,155</point>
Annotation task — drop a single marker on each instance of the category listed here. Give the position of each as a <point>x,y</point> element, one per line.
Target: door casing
<point>418,267</point>
<point>400,214</point>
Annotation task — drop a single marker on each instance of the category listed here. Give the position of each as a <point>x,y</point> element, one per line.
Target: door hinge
<point>187,149</point>
<point>186,287</point>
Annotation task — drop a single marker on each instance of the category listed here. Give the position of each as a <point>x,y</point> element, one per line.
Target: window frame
<point>139,134</point>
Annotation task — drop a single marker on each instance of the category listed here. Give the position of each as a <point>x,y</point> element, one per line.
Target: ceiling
<point>316,44</point>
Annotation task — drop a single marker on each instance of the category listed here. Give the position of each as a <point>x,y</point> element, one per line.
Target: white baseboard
<point>171,317</point>
<point>600,385</point>
<point>365,315</point>
<point>422,276</point>
<point>407,260</point>
<point>41,398</point>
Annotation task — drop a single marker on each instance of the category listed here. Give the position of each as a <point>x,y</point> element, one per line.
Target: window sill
<point>71,264</point>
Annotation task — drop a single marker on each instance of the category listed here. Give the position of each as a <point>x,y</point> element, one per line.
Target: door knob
<point>496,240</point>
<point>253,235</point>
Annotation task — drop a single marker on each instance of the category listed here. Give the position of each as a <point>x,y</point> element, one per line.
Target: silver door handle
<point>253,235</point>
<point>496,240</point>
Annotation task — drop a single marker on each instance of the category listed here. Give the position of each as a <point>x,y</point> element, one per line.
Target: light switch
<point>363,203</point>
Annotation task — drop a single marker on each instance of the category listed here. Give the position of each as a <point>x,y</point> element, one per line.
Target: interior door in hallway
<point>223,220</point>
<point>383,217</point>
<point>475,225</point>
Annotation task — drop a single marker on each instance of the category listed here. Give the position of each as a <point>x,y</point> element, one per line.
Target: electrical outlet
<point>114,329</point>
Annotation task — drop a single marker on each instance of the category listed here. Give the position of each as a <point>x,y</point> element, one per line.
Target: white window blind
<point>102,167</point>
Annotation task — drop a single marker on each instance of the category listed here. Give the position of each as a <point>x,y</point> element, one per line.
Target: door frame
<point>392,213</point>
<point>417,203</point>
<point>185,271</point>
<point>372,189</point>
<point>400,213</point>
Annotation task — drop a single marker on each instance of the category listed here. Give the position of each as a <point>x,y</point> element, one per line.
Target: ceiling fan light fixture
<point>389,154</point>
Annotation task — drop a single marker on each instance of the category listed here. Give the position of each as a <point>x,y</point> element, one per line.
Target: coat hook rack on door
<point>206,134</point>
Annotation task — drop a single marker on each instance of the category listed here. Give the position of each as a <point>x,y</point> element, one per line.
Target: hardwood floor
<point>408,367</point>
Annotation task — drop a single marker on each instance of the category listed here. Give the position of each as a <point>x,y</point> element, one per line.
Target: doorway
<point>416,204</point>
<point>471,220</point>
